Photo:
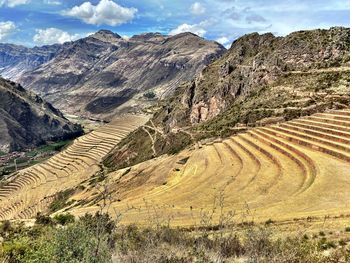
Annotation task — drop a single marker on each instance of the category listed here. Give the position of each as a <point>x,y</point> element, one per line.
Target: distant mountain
<point>27,121</point>
<point>16,60</point>
<point>104,73</point>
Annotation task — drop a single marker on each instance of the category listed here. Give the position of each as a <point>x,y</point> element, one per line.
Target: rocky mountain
<point>27,121</point>
<point>16,60</point>
<point>96,75</point>
<point>261,79</point>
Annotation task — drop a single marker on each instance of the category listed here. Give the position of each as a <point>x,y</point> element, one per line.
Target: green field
<point>54,147</point>
<point>40,154</point>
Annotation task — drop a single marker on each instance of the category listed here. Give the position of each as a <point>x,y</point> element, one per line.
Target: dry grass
<point>294,170</point>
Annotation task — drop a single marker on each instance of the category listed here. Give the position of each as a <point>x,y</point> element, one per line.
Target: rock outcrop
<point>27,121</point>
<point>255,61</point>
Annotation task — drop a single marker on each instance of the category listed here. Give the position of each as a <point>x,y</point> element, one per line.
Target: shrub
<point>269,222</point>
<point>15,250</point>
<point>60,200</point>
<point>64,219</point>
<point>43,220</point>
<point>90,239</point>
<point>5,227</point>
<point>149,95</point>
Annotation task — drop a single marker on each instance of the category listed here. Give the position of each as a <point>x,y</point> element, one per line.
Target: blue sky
<point>39,22</point>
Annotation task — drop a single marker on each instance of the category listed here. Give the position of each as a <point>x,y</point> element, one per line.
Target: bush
<point>64,219</point>
<point>90,239</point>
<point>60,200</point>
<point>5,227</point>
<point>149,95</point>
<point>43,220</point>
<point>15,250</point>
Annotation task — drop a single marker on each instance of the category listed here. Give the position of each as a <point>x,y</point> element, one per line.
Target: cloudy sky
<point>39,22</point>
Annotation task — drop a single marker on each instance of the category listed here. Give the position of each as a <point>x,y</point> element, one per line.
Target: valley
<point>33,189</point>
<point>175,138</point>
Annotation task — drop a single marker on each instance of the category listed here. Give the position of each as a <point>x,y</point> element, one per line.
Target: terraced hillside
<point>32,190</point>
<point>293,169</point>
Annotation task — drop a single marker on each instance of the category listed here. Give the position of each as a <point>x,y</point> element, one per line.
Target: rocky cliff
<point>27,121</point>
<point>102,74</point>
<point>261,79</point>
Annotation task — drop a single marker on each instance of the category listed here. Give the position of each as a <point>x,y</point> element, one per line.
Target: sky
<point>42,22</point>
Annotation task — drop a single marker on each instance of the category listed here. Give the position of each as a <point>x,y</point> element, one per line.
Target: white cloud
<point>13,3</point>
<point>223,40</point>
<point>53,2</point>
<point>198,29</point>
<point>6,28</point>
<point>197,9</point>
<point>52,35</point>
<point>105,12</point>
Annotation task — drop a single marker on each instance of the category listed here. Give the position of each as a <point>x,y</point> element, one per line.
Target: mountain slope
<point>16,60</point>
<point>28,121</point>
<point>261,79</point>
<point>95,75</point>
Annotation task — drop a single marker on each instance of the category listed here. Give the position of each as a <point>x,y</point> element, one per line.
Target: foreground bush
<point>90,239</point>
<point>96,238</point>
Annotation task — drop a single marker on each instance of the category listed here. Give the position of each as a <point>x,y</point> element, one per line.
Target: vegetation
<point>32,157</point>
<point>98,238</point>
<point>149,95</point>
<point>53,147</point>
<point>61,200</point>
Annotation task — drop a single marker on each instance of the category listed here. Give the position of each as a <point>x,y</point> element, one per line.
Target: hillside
<point>104,73</point>
<point>262,79</point>
<point>33,190</point>
<point>290,171</point>
<point>294,171</point>
<point>27,121</point>
<point>15,60</point>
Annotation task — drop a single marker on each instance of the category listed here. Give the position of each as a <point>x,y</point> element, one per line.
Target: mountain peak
<point>104,34</point>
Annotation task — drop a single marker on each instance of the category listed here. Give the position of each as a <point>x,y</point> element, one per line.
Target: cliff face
<point>261,79</point>
<point>103,74</point>
<point>27,121</point>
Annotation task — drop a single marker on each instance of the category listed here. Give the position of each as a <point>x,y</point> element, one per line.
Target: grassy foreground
<point>98,238</point>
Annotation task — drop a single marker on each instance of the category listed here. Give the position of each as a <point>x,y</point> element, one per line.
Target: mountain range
<point>103,74</point>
